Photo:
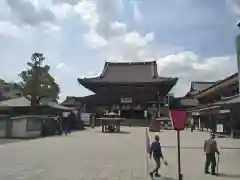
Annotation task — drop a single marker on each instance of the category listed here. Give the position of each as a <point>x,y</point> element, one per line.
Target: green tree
<point>36,81</point>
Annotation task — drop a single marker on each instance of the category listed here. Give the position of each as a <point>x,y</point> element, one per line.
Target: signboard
<point>126,100</point>
<point>220,128</point>
<point>66,114</point>
<point>195,113</point>
<point>85,117</point>
<point>189,102</point>
<point>178,119</point>
<point>222,111</point>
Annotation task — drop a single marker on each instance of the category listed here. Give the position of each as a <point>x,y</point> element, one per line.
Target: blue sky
<point>190,39</point>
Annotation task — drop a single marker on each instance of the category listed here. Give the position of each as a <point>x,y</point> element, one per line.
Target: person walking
<point>156,152</point>
<point>192,124</point>
<point>65,126</point>
<point>210,149</point>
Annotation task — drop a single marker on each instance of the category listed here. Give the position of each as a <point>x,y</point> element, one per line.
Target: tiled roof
<point>21,101</point>
<point>198,86</point>
<point>129,72</point>
<point>221,84</point>
<point>71,101</point>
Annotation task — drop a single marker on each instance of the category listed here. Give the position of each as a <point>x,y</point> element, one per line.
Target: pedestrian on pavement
<point>156,151</point>
<point>192,124</point>
<point>65,126</point>
<point>210,149</point>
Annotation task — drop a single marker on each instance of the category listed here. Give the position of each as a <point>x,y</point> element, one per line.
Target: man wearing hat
<point>156,151</point>
<point>210,148</point>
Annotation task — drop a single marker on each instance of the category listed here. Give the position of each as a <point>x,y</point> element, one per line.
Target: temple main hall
<point>129,89</point>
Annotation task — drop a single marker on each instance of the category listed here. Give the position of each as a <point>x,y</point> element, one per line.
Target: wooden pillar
<point>117,126</point>
<point>200,124</point>
<point>159,110</point>
<point>209,122</point>
<point>102,126</point>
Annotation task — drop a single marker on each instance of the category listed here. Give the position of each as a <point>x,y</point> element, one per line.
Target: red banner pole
<point>180,176</point>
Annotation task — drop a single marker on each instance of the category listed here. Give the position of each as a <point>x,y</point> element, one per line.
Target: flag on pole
<point>178,118</point>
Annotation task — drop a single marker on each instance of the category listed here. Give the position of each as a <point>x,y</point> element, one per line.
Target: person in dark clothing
<point>65,126</point>
<point>210,148</point>
<point>59,127</point>
<point>44,128</point>
<point>156,151</point>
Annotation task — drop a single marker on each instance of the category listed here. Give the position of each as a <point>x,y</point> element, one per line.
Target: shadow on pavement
<point>233,176</point>
<point>163,178</point>
<point>121,132</point>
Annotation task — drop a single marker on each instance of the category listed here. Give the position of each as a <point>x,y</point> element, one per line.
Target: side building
<point>128,89</point>
<point>218,108</point>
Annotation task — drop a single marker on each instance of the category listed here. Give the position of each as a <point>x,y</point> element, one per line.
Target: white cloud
<point>62,97</point>
<point>114,38</point>
<point>188,67</point>
<point>118,27</point>
<point>234,6</point>
<point>136,39</point>
<point>5,10</point>
<point>105,31</point>
<point>130,47</point>
<point>49,27</point>
<point>93,40</point>
<point>10,30</point>
<point>29,12</point>
<point>137,15</point>
<point>62,11</point>
<point>106,11</point>
<point>70,2</point>
<point>64,67</point>
<point>87,10</point>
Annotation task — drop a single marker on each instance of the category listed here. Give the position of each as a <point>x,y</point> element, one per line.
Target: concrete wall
<point>3,127</point>
<point>19,128</point>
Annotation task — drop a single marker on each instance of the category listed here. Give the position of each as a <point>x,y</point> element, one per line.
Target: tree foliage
<point>37,82</point>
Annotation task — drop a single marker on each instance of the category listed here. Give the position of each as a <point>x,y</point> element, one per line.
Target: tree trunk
<point>34,90</point>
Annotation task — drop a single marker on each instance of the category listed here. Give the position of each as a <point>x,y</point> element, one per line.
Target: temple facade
<point>133,90</point>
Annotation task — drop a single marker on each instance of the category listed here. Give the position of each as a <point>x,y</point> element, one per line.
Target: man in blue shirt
<point>156,151</point>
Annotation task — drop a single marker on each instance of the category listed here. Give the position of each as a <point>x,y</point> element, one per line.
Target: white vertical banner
<point>147,149</point>
<point>238,58</point>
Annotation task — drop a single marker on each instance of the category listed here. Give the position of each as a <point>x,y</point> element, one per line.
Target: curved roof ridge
<point>204,82</point>
<point>130,62</point>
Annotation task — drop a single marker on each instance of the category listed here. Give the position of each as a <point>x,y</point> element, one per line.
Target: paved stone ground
<point>84,156</point>
<point>6,141</point>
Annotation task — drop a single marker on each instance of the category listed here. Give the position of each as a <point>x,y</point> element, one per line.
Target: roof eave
<point>97,80</point>
<point>201,93</point>
<point>85,83</point>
